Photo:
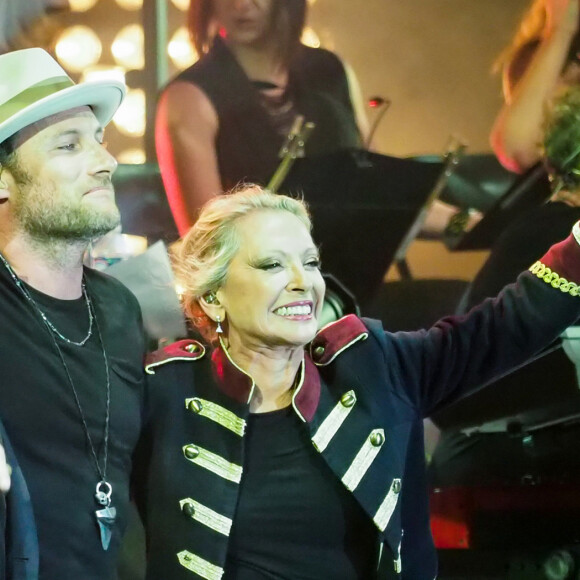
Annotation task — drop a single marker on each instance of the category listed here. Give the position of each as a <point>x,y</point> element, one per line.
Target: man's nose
<point>104,162</point>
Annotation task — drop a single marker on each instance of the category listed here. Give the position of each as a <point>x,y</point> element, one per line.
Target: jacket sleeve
<point>459,355</point>
<point>20,542</point>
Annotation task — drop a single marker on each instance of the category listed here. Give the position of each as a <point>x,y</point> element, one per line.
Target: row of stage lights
<point>79,49</point>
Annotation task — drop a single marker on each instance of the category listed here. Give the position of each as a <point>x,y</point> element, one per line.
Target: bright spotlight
<point>181,4</point>
<point>81,5</point>
<point>130,118</point>
<point>134,156</point>
<point>127,48</point>
<point>130,4</point>
<point>100,72</point>
<point>180,49</point>
<point>78,47</point>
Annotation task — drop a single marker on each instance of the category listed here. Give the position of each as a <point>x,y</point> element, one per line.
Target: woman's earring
<point>211,298</point>
<point>219,328</point>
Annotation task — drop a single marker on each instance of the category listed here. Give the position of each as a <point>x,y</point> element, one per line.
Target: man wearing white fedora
<point>71,343</point>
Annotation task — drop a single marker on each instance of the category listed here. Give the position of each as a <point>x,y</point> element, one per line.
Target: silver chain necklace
<point>105,516</point>
<point>45,319</point>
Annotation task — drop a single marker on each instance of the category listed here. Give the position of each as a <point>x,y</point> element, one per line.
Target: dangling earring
<point>219,328</point>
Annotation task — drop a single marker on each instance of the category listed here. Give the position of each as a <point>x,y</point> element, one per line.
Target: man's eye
<point>68,146</point>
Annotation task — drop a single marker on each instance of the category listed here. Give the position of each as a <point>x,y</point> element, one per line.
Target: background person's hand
<point>562,14</point>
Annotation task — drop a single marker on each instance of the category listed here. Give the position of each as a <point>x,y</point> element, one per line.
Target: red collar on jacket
<point>326,346</point>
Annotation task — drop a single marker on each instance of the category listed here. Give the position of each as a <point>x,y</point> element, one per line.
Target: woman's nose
<point>299,279</point>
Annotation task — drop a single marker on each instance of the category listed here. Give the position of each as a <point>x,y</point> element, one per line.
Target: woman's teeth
<point>294,310</point>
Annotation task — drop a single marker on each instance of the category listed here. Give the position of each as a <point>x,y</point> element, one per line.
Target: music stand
<point>141,199</point>
<point>531,189</point>
<point>362,204</point>
<point>477,181</point>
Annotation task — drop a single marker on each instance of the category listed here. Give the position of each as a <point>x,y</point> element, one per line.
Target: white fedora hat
<point>34,86</point>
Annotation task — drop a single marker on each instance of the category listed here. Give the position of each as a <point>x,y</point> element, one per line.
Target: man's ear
<point>4,190</point>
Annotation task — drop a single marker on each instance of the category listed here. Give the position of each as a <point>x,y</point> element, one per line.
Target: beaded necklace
<point>105,516</point>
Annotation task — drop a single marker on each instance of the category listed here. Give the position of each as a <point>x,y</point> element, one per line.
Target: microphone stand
<point>385,105</point>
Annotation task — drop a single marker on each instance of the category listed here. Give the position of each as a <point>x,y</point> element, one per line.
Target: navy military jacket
<point>362,395</point>
<point>19,555</point>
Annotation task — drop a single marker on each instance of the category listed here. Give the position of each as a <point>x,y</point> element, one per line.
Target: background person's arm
<point>517,131</point>
<point>185,134</point>
<point>358,103</point>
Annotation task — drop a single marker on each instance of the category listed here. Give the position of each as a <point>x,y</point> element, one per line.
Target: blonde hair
<point>203,258</point>
<point>530,29</point>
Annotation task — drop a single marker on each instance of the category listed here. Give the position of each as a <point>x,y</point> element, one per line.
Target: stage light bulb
<point>127,48</point>
<point>78,47</point>
<point>100,72</point>
<point>81,5</point>
<point>130,118</point>
<point>310,38</point>
<point>181,4</point>
<point>130,4</point>
<point>133,156</point>
<point>180,50</point>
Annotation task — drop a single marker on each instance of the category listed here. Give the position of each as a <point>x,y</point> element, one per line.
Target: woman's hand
<point>517,131</point>
<point>562,15</point>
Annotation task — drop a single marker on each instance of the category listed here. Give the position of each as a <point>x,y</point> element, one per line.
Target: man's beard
<point>45,216</point>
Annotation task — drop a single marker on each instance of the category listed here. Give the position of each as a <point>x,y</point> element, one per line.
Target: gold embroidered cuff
<point>556,281</point>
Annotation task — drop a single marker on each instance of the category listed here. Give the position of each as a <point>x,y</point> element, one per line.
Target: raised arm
<point>528,82</point>
<point>460,354</point>
<point>185,134</point>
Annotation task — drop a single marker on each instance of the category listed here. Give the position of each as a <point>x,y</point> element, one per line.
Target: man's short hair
<point>8,152</point>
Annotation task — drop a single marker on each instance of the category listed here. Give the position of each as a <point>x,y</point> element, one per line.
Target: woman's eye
<point>270,265</point>
<point>313,263</point>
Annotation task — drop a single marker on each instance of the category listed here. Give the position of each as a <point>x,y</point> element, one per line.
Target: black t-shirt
<point>41,417</point>
<point>295,519</point>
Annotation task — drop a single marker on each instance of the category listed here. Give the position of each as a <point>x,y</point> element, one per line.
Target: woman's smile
<point>295,311</point>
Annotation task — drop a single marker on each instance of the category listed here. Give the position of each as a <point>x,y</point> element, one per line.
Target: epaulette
<point>335,338</point>
<point>182,350</point>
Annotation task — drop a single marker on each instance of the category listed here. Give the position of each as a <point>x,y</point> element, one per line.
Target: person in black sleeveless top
<point>224,119</point>
<point>274,451</point>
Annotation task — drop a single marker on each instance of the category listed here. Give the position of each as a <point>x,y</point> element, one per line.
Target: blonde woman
<point>274,451</point>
